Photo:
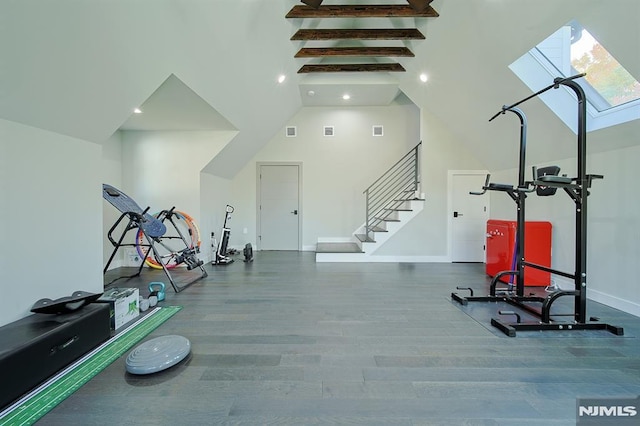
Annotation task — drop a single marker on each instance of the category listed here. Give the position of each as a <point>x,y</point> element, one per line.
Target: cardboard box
<point>123,303</point>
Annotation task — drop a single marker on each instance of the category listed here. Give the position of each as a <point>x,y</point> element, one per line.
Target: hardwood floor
<point>285,340</point>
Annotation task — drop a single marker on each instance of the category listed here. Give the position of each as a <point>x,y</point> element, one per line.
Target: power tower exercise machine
<point>513,294</point>
<point>577,188</point>
<point>168,250</point>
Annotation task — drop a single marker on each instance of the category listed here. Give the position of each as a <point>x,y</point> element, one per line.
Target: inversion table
<point>153,229</point>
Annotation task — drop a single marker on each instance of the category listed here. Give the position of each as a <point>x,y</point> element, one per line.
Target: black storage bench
<point>35,348</point>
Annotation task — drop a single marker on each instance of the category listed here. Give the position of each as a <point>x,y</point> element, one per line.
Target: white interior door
<point>279,207</point>
<point>469,215</point>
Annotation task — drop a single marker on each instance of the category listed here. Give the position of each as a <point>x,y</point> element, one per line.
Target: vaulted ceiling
<point>355,48</point>
<point>79,68</point>
<point>358,31</point>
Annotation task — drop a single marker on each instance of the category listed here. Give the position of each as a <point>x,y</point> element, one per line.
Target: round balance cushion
<point>158,354</point>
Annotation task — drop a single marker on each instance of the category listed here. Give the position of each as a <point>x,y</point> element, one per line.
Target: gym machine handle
<point>526,189</point>
<point>484,187</point>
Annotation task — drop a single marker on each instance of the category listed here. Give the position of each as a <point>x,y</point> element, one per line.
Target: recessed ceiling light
<point>346,97</point>
<point>282,78</point>
<point>424,78</point>
<point>137,111</point>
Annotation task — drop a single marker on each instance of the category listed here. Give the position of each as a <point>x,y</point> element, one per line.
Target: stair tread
<point>364,238</point>
<point>387,219</point>
<point>338,247</point>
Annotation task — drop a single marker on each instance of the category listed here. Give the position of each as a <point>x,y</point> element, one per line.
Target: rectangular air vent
<point>378,131</point>
<point>328,131</point>
<point>291,131</point>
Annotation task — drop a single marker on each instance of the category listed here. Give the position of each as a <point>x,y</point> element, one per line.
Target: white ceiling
<point>80,68</point>
<point>174,106</point>
<point>364,89</point>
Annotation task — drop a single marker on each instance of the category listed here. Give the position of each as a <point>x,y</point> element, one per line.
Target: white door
<point>278,207</point>
<point>469,216</point>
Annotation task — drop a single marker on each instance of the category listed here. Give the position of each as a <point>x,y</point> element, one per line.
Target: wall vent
<point>291,131</point>
<point>378,131</point>
<point>328,131</point>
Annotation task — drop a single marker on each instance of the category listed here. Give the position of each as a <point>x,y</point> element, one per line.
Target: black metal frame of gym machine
<point>187,255</point>
<point>577,189</point>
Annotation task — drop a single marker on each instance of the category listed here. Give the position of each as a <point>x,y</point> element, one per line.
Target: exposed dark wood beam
<point>311,52</point>
<point>316,3</point>
<point>389,67</point>
<point>359,34</point>
<point>415,4</point>
<point>360,11</point>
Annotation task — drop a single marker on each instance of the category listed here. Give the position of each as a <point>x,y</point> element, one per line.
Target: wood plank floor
<point>285,340</point>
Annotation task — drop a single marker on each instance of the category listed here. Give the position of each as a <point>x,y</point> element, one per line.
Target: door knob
<point>295,212</point>
<point>456,214</point>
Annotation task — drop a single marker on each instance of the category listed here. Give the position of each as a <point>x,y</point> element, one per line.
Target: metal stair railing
<point>391,190</point>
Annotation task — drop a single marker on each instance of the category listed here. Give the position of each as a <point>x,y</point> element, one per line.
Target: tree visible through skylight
<point>610,80</point>
<point>613,95</point>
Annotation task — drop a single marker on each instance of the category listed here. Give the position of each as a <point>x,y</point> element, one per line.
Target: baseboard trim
<point>364,258</point>
<point>614,302</point>
<point>600,297</point>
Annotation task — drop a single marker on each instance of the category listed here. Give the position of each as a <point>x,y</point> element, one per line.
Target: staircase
<point>391,202</point>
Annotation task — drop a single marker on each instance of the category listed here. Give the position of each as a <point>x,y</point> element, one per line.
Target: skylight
<point>613,94</point>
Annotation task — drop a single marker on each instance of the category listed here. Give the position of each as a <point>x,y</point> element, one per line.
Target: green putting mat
<point>39,402</point>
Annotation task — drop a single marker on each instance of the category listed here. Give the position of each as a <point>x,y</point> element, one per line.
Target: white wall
<point>50,216</point>
<point>158,166</point>
<point>336,170</point>
<point>215,194</point>
<point>427,234</point>
<point>112,175</point>
<point>614,225</point>
<point>162,169</point>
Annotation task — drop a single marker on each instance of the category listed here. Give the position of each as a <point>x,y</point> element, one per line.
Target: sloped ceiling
<point>80,68</point>
<point>174,106</point>
<point>467,54</point>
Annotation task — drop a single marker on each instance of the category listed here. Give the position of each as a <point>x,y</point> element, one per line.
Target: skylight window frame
<point>536,70</point>
<point>588,89</point>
